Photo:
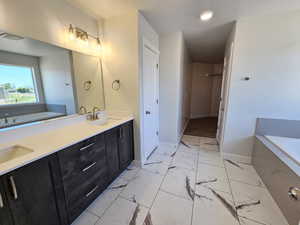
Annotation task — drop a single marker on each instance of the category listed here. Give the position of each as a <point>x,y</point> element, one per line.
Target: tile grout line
<point>119,195</point>
<point>229,184</point>
<point>164,177</point>
<point>196,175</point>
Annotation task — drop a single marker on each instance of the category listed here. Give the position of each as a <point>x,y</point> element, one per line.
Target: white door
<point>224,94</point>
<point>150,100</point>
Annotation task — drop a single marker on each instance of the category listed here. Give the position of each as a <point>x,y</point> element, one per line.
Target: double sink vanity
<point>53,175</point>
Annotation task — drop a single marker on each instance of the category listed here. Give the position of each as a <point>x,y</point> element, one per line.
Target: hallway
<point>202,127</point>
<point>192,185</point>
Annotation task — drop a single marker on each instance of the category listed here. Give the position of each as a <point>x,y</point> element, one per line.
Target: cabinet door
<point>126,145</point>
<point>31,194</point>
<point>5,216</point>
<point>112,153</point>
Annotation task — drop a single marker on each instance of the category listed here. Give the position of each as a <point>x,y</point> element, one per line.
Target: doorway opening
<point>205,99</point>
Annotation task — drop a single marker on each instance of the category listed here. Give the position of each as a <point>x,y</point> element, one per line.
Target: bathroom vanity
<point>66,169</point>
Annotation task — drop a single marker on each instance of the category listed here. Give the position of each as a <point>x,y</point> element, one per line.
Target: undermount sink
<point>103,121</point>
<point>13,152</point>
<point>98,121</point>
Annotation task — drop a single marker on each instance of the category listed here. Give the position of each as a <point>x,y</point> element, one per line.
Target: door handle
<point>1,201</point>
<point>13,187</point>
<point>148,112</point>
<point>294,193</point>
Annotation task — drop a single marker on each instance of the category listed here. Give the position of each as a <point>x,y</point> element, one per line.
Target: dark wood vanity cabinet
<point>30,196</point>
<point>125,145</point>
<point>5,215</point>
<point>119,149</point>
<point>55,190</point>
<point>84,173</point>
<point>112,153</point>
<point>87,168</point>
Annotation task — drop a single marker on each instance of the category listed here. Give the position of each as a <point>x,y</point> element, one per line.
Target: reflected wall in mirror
<point>87,79</point>
<point>39,81</point>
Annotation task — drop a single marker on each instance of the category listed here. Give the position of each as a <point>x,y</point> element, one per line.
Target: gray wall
<point>278,127</point>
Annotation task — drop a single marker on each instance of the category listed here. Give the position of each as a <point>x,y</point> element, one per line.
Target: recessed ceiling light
<point>206,15</point>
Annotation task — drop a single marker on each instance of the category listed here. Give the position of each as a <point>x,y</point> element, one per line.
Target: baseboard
<point>184,128</point>
<point>203,116</point>
<point>237,158</point>
<point>200,116</point>
<point>137,163</point>
<point>169,144</point>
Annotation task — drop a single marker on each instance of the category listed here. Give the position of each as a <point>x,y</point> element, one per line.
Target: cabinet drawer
<point>85,195</point>
<point>74,159</point>
<point>76,184</point>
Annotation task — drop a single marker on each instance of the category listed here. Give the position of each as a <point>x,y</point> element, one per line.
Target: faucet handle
<point>84,110</point>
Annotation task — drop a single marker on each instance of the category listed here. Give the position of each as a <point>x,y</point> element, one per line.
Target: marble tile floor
<point>190,185</point>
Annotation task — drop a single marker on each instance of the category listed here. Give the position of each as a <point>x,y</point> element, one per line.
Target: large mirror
<point>39,81</point>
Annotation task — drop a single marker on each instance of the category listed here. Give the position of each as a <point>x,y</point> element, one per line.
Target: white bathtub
<point>290,146</point>
<point>22,119</point>
<point>286,149</point>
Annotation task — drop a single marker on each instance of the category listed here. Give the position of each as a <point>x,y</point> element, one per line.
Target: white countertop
<point>56,139</point>
<point>290,146</point>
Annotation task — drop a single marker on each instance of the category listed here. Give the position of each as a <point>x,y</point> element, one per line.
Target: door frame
<point>225,91</point>
<point>147,44</point>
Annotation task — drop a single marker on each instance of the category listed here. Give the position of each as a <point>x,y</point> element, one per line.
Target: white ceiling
<point>206,41</point>
<point>29,46</point>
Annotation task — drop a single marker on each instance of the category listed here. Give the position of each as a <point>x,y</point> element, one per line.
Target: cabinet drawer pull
<point>89,167</point>
<point>90,145</point>
<point>1,201</point>
<point>13,187</point>
<point>91,192</point>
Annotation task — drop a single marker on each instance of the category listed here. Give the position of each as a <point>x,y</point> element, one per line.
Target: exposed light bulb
<point>206,15</point>
<point>98,46</point>
<point>72,34</point>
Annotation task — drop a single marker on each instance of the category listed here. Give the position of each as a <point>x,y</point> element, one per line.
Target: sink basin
<point>98,122</point>
<point>13,152</point>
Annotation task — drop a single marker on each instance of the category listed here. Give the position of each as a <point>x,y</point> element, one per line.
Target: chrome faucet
<point>95,115</point>
<point>84,110</point>
<point>6,118</point>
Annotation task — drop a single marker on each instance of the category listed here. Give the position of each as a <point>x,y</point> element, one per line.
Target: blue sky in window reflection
<point>18,76</point>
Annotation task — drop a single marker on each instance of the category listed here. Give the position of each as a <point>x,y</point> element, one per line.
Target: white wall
<point>88,68</point>
<point>57,80</point>
<point>185,89</point>
<point>123,61</point>
<point>268,50</point>
<point>174,63</point>
<point>45,20</point>
<point>206,90</point>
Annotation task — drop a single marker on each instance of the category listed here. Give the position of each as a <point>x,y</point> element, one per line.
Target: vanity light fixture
<point>206,15</point>
<point>76,33</point>
<point>99,45</point>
